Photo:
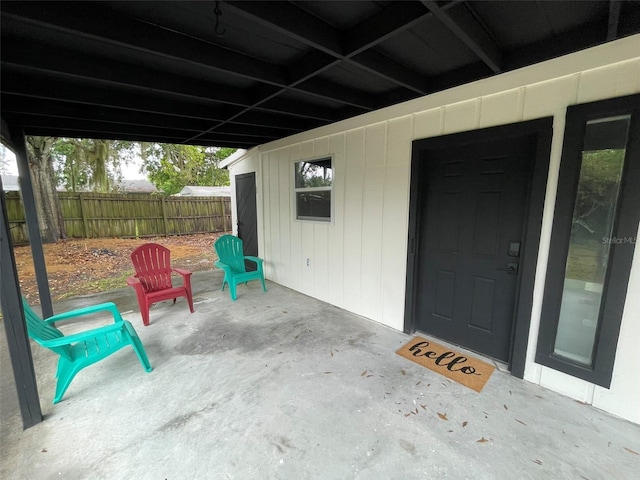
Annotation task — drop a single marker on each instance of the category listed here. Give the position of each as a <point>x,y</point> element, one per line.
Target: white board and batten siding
<point>358,262</point>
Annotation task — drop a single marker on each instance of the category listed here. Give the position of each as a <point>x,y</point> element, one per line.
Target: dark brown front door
<point>472,211</point>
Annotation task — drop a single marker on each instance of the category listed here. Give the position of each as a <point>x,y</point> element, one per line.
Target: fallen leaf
<point>407,414</point>
<point>419,382</point>
<point>443,416</point>
<point>326,373</point>
<point>539,462</point>
<point>416,411</point>
<point>631,451</point>
<point>369,375</point>
<point>44,450</point>
<point>403,372</point>
<point>482,440</point>
<point>464,424</point>
<point>520,421</point>
<point>449,431</point>
<point>331,353</point>
<point>505,407</point>
<point>363,373</point>
<point>424,407</point>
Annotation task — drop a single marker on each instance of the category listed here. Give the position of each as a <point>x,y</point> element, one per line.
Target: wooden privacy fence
<point>99,215</point>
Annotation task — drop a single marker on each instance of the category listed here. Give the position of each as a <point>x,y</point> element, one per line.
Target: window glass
<point>313,185</point>
<point>591,238</point>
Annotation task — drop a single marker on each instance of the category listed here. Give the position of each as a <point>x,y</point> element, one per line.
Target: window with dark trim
<point>593,239</point>
<point>313,189</point>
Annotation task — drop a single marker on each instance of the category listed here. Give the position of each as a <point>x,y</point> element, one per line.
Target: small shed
<point>198,191</point>
<point>10,183</point>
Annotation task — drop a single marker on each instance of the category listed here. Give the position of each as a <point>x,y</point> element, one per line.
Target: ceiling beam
<point>44,87</point>
<point>38,125</point>
<point>264,14</point>
<point>471,33</point>
<point>614,19</point>
<point>388,22</point>
<point>91,22</point>
<point>62,110</point>
<point>118,31</point>
<point>293,22</point>
<point>86,68</point>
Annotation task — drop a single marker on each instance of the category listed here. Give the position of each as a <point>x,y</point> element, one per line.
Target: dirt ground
<point>83,266</point>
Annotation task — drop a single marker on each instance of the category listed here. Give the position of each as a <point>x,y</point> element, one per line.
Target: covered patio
<point>280,385</point>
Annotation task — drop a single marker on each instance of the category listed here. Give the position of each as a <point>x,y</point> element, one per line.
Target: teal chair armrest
<point>108,306</point>
<point>223,266</point>
<point>78,337</point>
<point>257,260</point>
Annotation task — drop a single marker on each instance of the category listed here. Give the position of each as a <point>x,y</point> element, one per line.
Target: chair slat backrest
<point>152,263</point>
<point>230,252</point>
<point>41,331</point>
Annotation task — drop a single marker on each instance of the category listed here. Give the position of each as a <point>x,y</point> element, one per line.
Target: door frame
<point>542,131</point>
<point>250,176</point>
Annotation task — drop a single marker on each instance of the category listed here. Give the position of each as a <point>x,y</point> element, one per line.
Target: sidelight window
<point>594,235</point>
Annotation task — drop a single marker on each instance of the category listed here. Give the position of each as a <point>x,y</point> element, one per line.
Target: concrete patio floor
<point>278,385</point>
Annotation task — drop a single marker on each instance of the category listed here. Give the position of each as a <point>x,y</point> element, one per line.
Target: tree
<point>88,164</point>
<point>172,167</point>
<point>44,181</point>
<point>4,161</point>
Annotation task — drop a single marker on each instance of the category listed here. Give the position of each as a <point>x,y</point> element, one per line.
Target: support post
<point>28,200</point>
<point>15,327</point>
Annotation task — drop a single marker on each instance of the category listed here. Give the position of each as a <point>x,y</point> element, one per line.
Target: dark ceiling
<point>175,72</point>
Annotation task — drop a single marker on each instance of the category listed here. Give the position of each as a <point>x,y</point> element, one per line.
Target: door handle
<point>511,268</point>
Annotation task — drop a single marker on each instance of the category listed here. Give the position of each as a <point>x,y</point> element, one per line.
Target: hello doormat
<point>468,371</point>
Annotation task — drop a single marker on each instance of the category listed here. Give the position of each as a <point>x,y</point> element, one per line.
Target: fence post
<point>84,218</point>
<point>224,216</point>
<point>164,217</point>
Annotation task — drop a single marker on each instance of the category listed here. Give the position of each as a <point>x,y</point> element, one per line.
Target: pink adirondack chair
<point>152,281</point>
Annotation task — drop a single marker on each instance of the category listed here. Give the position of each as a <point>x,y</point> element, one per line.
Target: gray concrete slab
<point>278,385</point>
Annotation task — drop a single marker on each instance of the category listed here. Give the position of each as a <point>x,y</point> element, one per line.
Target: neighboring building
<point>457,205</point>
<point>197,191</point>
<point>10,183</point>
<point>137,186</point>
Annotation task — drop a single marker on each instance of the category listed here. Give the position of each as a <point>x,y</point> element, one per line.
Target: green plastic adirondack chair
<point>231,259</point>
<point>82,349</point>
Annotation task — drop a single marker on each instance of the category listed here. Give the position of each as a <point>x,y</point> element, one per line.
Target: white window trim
<point>295,190</point>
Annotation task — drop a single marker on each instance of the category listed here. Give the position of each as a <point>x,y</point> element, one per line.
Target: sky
<point>129,172</point>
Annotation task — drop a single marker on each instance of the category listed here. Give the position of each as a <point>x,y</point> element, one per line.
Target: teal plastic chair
<point>231,259</point>
<point>80,350</point>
